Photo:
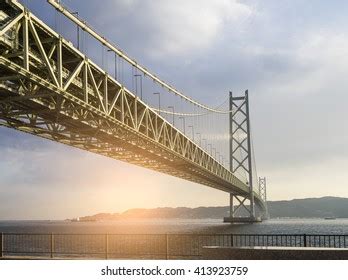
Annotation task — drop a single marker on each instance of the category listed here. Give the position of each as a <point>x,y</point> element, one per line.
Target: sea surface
<point>147,239</point>
<point>160,226</point>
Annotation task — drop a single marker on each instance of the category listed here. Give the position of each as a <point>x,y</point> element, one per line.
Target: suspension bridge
<point>106,103</point>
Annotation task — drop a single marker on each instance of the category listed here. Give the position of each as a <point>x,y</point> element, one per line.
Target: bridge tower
<point>263,194</point>
<point>241,157</point>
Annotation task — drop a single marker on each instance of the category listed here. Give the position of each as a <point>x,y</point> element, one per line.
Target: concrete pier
<point>274,253</point>
<point>241,220</point>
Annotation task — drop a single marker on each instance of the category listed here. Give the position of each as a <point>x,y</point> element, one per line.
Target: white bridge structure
<point>49,87</point>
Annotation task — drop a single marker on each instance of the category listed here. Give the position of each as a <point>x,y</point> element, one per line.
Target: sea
<point>177,226</point>
<point>161,238</point>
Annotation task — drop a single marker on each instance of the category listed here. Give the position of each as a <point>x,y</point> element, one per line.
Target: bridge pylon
<point>241,159</point>
<point>263,194</point>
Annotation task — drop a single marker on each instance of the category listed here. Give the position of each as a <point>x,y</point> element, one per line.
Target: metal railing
<point>148,246</point>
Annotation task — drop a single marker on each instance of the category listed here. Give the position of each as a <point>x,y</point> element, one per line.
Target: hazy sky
<point>291,55</point>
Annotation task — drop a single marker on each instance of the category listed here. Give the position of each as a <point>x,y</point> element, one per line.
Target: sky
<point>291,55</point>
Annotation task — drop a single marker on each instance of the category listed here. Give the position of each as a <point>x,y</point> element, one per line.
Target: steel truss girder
<point>55,92</point>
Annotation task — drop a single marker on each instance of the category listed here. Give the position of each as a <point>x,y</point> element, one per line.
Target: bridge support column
<point>250,167</point>
<point>231,206</point>
<point>241,157</point>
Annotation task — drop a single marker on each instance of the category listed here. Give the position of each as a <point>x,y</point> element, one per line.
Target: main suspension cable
<point>85,26</point>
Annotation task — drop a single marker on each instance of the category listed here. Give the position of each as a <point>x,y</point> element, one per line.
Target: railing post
<point>167,251</point>
<point>1,245</point>
<point>305,240</point>
<point>232,245</point>
<point>106,246</point>
<point>52,245</point>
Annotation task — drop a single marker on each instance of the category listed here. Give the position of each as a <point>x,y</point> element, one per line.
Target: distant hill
<point>310,208</point>
<point>296,208</point>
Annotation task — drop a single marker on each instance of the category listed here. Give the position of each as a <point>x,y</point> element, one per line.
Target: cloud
<point>300,111</point>
<point>183,31</point>
<point>166,28</point>
<point>284,183</point>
